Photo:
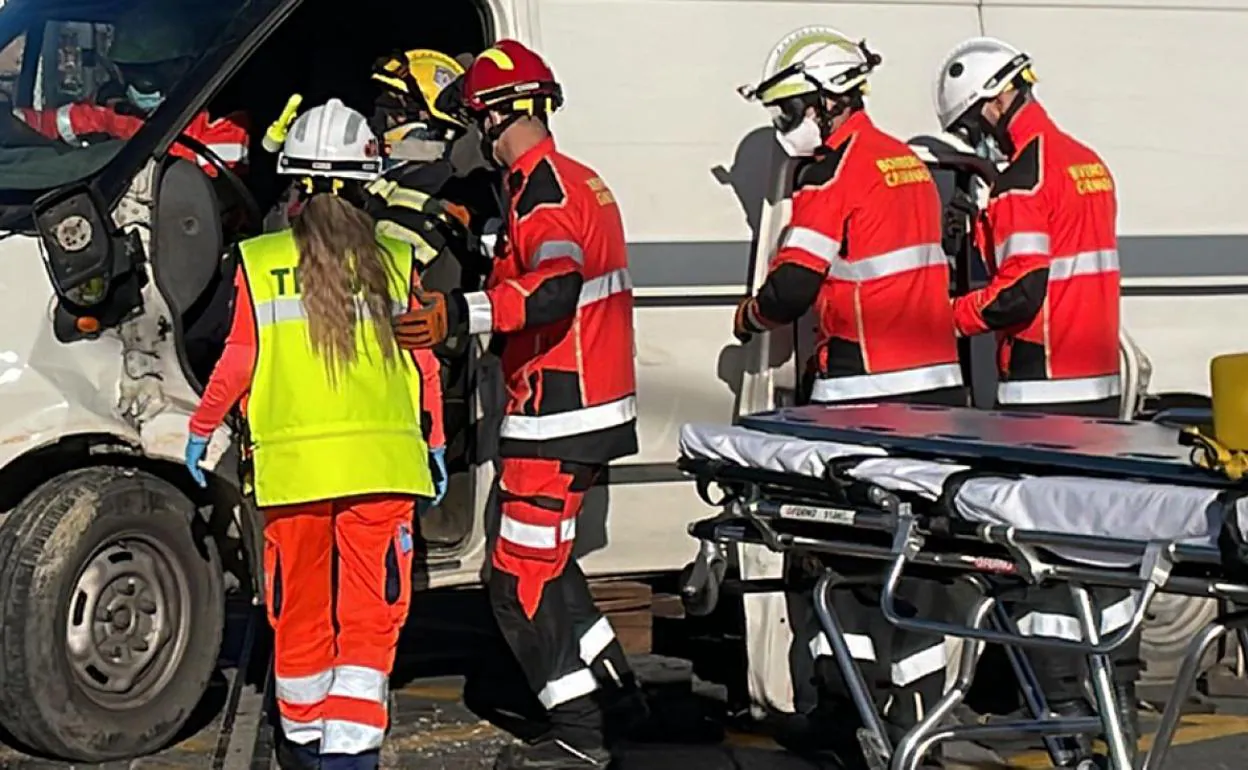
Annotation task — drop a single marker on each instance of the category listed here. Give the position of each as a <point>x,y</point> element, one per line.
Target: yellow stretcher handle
<point>275,137</point>
<point>1213,455</point>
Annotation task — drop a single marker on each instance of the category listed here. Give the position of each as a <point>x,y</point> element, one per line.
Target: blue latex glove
<point>441,479</point>
<point>196,447</point>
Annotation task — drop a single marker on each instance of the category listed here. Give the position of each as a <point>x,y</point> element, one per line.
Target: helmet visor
<point>788,114</point>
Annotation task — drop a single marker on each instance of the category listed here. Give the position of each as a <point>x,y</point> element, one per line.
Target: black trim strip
<point>696,300</point>
<point>642,473</point>
<point>1222,290</point>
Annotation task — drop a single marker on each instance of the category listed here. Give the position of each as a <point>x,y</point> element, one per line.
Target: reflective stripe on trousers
<point>581,682</point>
<point>903,672</point>
<point>869,386</point>
<point>1060,626</point>
<point>1059,391</point>
<point>337,736</point>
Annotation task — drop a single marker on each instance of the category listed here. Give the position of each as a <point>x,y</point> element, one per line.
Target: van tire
<point>60,552</point>
<point>1172,622</point>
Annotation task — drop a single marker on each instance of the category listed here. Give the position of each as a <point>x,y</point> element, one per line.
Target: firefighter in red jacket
<point>1050,236</point>
<point>561,296</point>
<point>864,243</point>
<point>864,248</point>
<point>152,48</point>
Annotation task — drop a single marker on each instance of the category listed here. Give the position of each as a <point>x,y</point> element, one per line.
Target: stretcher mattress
<point>1066,504</point>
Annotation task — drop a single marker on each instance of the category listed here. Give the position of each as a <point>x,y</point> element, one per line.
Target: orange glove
<point>424,327</point>
<point>439,317</point>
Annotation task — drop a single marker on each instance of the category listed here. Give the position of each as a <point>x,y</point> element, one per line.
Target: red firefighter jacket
<point>227,137</point>
<point>864,247</point>
<point>562,294</point>
<point>1054,294</point>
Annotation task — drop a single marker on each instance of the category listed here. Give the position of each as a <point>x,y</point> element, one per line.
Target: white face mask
<point>144,101</point>
<point>802,141</point>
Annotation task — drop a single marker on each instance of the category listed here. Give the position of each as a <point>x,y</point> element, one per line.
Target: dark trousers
<point>1061,674</point>
<point>541,600</point>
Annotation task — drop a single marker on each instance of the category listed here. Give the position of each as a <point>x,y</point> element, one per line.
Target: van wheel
<point>112,610</point>
<point>1171,623</point>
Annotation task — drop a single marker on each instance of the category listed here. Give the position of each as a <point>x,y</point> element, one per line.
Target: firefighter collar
<point>1029,122</point>
<point>855,123</point>
<point>531,157</point>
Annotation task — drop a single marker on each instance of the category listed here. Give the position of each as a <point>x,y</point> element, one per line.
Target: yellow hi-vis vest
<point>314,439</point>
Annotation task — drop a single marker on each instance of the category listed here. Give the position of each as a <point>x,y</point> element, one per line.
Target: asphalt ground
<point>691,727</point>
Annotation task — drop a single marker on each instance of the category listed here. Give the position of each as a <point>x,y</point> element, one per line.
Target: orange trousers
<point>339,577</point>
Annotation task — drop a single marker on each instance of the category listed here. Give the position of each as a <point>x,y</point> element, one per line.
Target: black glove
<point>956,226</point>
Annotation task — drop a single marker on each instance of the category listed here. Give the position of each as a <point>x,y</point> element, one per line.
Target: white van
<point>113,566</point>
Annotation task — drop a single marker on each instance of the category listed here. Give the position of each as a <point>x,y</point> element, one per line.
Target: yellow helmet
<point>424,71</point>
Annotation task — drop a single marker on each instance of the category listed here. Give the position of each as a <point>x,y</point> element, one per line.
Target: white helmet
<point>980,68</point>
<point>813,59</point>
<point>332,140</point>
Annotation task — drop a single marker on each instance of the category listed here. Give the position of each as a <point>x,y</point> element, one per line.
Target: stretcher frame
<point>829,517</point>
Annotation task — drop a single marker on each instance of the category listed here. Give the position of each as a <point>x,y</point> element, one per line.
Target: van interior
<point>323,51</point>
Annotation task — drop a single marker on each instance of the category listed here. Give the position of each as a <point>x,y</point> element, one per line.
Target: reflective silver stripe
<point>65,124</point>
<point>1059,391</point>
<point>291,309</point>
<point>596,639</point>
<point>1083,263</point>
<point>361,683</point>
<point>890,263</point>
<point>866,386</point>
<point>567,688</point>
<point>480,312</point>
<point>860,646</point>
<point>607,285</point>
<point>343,737</point>
<point>536,536</point>
<point>230,153</point>
<point>1060,626</point>
<point>304,690</point>
<point>812,242</point>
<point>574,423</point>
<point>914,667</point>
<point>302,733</point>
<point>1023,243</point>
<point>556,250</point>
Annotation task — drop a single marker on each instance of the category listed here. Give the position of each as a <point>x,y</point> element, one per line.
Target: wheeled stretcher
<point>996,498</point>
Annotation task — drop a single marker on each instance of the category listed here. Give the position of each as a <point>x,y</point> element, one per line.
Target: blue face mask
<point>145,102</point>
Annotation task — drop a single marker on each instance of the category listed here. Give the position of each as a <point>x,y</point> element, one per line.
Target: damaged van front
<point>112,581</point>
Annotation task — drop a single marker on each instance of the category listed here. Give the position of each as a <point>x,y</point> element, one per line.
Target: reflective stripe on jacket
<point>863,247</point>
<point>1054,294</point>
<point>562,294</point>
<point>315,439</point>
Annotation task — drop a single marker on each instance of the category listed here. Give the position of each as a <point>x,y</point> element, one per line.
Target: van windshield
<point>80,77</point>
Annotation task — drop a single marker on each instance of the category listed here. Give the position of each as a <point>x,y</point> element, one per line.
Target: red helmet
<point>510,77</point>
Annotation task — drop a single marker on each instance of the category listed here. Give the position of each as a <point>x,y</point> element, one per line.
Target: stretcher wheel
<point>698,594</point>
<point>112,609</point>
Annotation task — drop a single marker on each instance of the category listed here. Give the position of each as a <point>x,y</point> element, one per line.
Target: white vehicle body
<point>652,106</point>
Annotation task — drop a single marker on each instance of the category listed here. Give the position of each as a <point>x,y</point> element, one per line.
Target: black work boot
<point>1077,748</point>
<point>551,754</point>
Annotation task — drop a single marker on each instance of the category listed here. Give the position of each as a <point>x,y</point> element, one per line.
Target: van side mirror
<point>91,263</point>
